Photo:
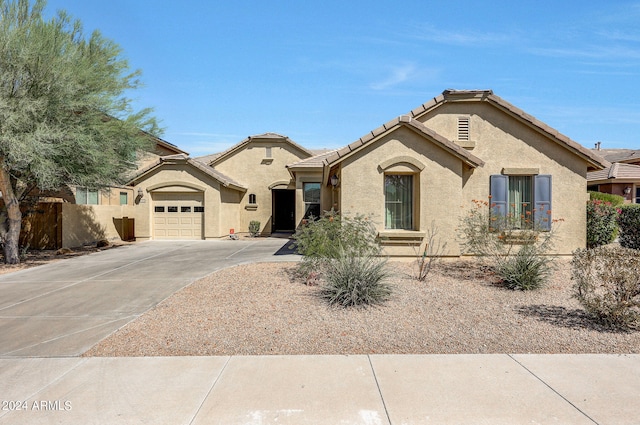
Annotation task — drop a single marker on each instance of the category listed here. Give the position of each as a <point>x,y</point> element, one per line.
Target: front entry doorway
<point>283,210</point>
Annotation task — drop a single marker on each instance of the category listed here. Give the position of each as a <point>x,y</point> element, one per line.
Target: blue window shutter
<point>499,194</point>
<point>542,199</point>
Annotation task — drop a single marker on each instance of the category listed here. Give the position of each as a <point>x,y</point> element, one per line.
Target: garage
<point>177,215</point>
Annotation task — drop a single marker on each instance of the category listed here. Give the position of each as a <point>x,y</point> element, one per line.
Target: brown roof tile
<point>264,136</point>
<point>313,162</point>
<point>617,171</point>
<point>594,160</point>
<point>181,158</point>
<point>408,121</point>
<point>618,155</point>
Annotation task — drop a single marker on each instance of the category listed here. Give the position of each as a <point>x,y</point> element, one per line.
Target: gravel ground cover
<point>261,309</point>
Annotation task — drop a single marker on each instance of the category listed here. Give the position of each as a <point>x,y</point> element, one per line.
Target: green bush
<point>356,281</point>
<point>629,224</point>
<point>607,284</point>
<point>254,228</point>
<point>323,239</point>
<point>615,200</point>
<point>525,270</point>
<point>602,223</point>
<point>515,248</point>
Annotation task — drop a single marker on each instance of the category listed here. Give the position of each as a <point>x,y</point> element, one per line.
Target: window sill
<point>519,237</point>
<point>251,207</point>
<point>401,237</point>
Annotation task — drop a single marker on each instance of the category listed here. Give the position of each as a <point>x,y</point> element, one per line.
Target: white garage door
<point>177,215</point>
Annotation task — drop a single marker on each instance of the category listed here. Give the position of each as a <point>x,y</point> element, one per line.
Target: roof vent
<point>463,128</point>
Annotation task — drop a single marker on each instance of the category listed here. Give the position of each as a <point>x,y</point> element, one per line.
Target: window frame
<point>126,198</point>
<point>311,206</point>
<point>82,195</point>
<point>541,198</point>
<point>410,208</point>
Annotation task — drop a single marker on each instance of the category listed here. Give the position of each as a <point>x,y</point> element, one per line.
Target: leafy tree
<point>64,115</point>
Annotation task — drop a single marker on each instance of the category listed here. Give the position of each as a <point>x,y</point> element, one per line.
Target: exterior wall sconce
<point>140,192</point>
<point>334,181</point>
<point>627,190</point>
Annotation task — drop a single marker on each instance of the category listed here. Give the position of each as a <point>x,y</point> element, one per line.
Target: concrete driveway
<point>64,308</point>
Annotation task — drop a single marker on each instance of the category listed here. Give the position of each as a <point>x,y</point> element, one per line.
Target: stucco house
<point>74,216</point>
<point>418,170</point>
<point>622,177</point>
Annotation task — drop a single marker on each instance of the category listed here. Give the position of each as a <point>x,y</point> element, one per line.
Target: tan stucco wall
<point>85,224</point>
<point>436,199</point>
<point>251,167</point>
<point>218,216</point>
<point>111,196</point>
<point>230,211</point>
<point>503,142</point>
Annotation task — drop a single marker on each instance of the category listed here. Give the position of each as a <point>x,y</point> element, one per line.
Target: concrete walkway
<point>376,389</point>
<point>64,308</point>
<point>51,314</point>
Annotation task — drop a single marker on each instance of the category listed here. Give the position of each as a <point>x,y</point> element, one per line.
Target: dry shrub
<point>607,284</point>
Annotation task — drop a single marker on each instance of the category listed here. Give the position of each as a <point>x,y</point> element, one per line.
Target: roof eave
<point>410,123</point>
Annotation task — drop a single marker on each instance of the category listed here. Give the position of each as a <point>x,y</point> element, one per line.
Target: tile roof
<point>265,136</point>
<point>619,171</point>
<point>181,158</point>
<point>593,158</point>
<point>206,159</point>
<point>407,121</point>
<point>618,155</point>
<point>313,162</point>
<point>596,160</point>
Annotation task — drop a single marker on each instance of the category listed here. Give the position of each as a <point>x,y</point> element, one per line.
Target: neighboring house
<point>419,170</point>
<point>622,177</point>
<point>75,216</point>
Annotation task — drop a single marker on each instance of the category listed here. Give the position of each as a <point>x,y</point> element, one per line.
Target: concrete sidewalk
<point>64,308</point>
<point>360,389</point>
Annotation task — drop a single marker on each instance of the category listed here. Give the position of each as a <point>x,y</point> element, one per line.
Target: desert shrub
<point>615,200</point>
<point>325,238</point>
<point>515,248</point>
<point>524,270</point>
<point>431,254</point>
<point>629,224</point>
<point>254,228</point>
<point>355,281</point>
<point>602,223</point>
<point>607,284</point>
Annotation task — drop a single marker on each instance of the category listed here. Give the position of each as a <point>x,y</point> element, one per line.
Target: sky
<point>326,73</point>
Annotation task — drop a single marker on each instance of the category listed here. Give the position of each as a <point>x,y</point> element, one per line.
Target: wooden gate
<point>42,227</point>
<point>126,228</point>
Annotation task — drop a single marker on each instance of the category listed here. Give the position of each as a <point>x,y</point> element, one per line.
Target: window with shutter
<point>522,197</point>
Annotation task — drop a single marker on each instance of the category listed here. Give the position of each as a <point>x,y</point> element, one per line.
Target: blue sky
<point>325,73</point>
